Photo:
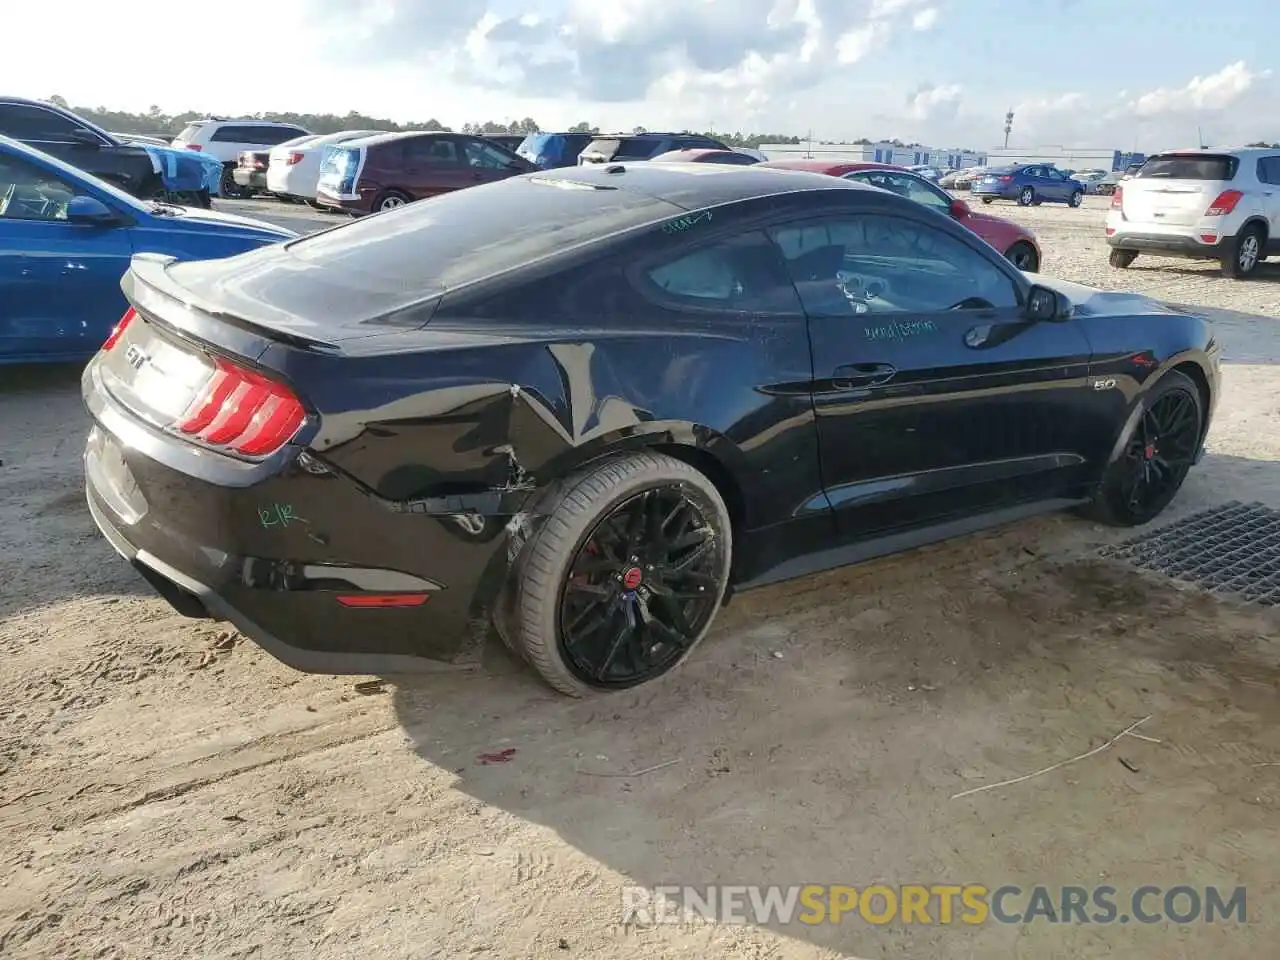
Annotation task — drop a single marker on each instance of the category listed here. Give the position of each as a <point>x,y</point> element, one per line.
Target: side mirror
<point>1044,304</point>
<point>85,138</point>
<point>959,209</point>
<point>91,212</point>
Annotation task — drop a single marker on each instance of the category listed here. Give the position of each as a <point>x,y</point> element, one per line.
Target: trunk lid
<point>1175,189</point>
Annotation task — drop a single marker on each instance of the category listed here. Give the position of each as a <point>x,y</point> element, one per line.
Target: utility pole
<point>1008,127</point>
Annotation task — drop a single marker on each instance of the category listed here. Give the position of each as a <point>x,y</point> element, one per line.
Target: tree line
<point>156,123</point>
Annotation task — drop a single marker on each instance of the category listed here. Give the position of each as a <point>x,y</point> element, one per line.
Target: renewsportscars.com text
<point>941,903</point>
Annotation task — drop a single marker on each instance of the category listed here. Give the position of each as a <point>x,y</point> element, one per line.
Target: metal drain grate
<point>1231,549</point>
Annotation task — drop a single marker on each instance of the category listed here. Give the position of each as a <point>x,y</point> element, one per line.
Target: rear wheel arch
<point>1261,224</point>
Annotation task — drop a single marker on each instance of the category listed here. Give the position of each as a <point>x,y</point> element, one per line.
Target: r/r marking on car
<point>1105,384</point>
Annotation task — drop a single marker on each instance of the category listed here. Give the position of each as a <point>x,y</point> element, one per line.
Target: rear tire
<point>1023,256</point>
<point>986,199</point>
<point>390,200</point>
<point>1123,259</point>
<point>1175,399</point>
<point>593,524</point>
<point>1243,253</point>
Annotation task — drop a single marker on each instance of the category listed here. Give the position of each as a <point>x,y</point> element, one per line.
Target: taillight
<point>294,157</point>
<point>194,146</point>
<point>1005,179</point>
<point>1117,199</point>
<point>118,330</point>
<point>1224,204</point>
<point>242,411</point>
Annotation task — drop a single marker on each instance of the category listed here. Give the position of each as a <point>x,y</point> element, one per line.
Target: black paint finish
<point>444,411</point>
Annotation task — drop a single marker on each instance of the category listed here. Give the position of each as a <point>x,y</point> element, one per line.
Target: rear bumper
<point>253,179</point>
<point>357,207</point>
<point>994,193</point>
<point>291,181</point>
<point>218,549</point>
<point>1166,244</point>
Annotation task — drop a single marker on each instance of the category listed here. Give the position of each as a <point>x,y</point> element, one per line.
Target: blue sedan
<point>1030,184</point>
<point>66,238</point>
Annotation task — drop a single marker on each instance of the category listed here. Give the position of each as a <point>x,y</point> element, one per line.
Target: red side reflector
<point>1208,238</point>
<point>244,411</point>
<point>118,330</point>
<point>369,600</point>
<point>1224,204</point>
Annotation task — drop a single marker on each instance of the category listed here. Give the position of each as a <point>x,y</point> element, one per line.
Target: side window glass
<point>437,150</point>
<point>879,264</point>
<point>28,193</point>
<point>741,274</point>
<point>484,156</point>
<point>33,123</point>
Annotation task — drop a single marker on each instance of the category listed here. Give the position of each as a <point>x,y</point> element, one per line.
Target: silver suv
<point>1204,204</point>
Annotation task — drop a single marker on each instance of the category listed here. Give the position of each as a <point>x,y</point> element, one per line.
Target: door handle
<point>863,375</point>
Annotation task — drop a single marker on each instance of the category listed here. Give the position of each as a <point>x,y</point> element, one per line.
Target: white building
<point>883,152</point>
<point>1063,157</point>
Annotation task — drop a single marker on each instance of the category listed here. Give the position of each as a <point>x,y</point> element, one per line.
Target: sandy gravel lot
<point>167,790</point>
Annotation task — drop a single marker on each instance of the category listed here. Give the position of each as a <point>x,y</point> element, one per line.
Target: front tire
<point>1243,253</point>
<point>1077,198</point>
<point>986,200</point>
<point>1155,457</point>
<point>1026,197</point>
<point>625,575</point>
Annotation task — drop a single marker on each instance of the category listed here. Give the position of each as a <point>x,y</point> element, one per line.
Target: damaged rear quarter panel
<point>470,427</point>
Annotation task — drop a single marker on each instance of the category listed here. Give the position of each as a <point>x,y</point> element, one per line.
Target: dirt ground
<point>168,790</point>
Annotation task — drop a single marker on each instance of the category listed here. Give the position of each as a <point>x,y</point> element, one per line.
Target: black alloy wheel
<point>1156,457</point>
<point>641,589</point>
<point>1161,451</point>
<point>623,575</point>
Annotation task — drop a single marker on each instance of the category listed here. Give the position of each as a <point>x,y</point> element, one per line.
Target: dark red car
<point>391,169</point>
<point>1015,241</point>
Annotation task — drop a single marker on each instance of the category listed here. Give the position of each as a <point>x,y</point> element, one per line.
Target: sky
<point>1144,74</point>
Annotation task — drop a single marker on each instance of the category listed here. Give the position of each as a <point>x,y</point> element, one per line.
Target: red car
<point>391,169</point>
<point>1015,241</point>
<point>732,157</point>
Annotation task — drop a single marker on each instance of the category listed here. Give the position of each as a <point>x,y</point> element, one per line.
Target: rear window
<point>625,148</point>
<point>190,132</point>
<point>267,136</point>
<point>1200,166</point>
<point>466,235</point>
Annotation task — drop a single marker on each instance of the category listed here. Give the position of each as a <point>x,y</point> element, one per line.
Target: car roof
<point>832,168</point>
<point>380,138</point>
<point>695,185</point>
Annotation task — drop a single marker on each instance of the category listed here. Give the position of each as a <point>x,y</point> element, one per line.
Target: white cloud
<point>858,44</point>
<point>930,102</point>
<point>1213,92</point>
<point>926,19</point>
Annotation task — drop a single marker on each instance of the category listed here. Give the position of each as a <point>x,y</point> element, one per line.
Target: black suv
<point>643,146</point>
<point>72,140</point>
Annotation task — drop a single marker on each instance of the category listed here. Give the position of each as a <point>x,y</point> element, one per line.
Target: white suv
<point>1219,205</point>
<point>224,140</point>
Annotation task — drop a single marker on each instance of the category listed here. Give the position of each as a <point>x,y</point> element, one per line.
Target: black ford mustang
<point>584,406</point>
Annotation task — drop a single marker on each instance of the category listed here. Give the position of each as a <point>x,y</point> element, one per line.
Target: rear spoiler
<point>148,286</point>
